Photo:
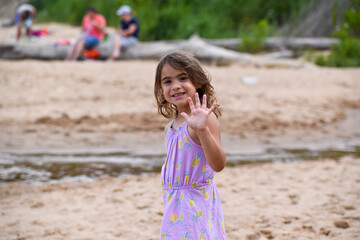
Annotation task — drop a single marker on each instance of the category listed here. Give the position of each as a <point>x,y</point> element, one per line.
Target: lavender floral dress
<point>192,203</point>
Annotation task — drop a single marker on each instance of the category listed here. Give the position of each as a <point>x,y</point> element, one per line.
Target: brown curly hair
<point>182,60</point>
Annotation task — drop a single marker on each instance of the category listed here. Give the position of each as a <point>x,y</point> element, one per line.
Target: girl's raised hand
<point>199,114</point>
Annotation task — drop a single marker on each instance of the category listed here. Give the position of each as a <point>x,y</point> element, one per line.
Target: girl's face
<point>177,87</point>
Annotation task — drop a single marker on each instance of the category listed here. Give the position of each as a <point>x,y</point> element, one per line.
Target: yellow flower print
<point>222,222</point>
<point>204,168</point>
<point>202,232</point>
<point>206,195</point>
<point>177,180</point>
<point>178,164</point>
<point>180,144</point>
<point>181,218</point>
<point>194,185</point>
<point>213,196</point>
<point>186,236</point>
<point>180,199</point>
<point>186,142</point>
<point>196,160</point>
<point>202,190</point>
<point>162,187</point>
<point>197,215</point>
<point>169,197</point>
<point>165,235</point>
<point>187,177</point>
<point>192,201</point>
<point>173,218</point>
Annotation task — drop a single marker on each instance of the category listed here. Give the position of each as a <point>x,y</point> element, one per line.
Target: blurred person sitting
<point>128,33</point>
<point>93,28</point>
<point>24,17</point>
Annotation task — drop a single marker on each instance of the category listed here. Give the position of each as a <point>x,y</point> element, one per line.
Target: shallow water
<point>50,167</point>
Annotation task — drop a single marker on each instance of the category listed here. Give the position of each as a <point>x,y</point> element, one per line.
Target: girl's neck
<point>178,120</point>
<point>184,109</point>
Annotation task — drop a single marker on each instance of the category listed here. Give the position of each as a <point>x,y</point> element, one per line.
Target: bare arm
<point>128,32</point>
<point>205,126</point>
<point>99,26</point>
<point>211,142</point>
<point>19,27</point>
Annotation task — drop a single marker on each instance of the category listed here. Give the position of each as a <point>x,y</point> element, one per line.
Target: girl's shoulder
<point>169,125</point>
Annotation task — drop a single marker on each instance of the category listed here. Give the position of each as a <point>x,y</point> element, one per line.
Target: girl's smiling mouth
<point>178,94</point>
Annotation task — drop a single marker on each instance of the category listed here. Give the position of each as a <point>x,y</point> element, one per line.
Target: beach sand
<point>300,200</point>
<point>58,105</point>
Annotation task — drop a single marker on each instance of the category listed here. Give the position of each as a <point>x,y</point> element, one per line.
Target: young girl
<point>194,150</point>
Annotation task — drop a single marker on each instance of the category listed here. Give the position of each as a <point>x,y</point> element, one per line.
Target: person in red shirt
<point>93,29</point>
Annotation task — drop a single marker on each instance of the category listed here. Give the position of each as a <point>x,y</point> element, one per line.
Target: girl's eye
<point>183,78</point>
<point>167,82</point>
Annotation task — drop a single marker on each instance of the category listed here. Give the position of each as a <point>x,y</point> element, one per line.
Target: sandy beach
<point>302,200</point>
<point>55,105</point>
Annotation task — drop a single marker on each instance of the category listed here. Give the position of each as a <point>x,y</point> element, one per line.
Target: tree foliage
<point>179,19</point>
<point>347,52</point>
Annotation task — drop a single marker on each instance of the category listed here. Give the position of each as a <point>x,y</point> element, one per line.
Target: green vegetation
<point>347,52</point>
<point>252,21</point>
<point>179,19</point>
<point>253,41</point>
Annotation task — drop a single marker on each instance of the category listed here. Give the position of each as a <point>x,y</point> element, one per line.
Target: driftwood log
<point>143,50</point>
<point>202,49</point>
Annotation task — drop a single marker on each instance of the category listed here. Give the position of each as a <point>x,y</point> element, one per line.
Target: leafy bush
<point>347,52</point>
<point>253,41</point>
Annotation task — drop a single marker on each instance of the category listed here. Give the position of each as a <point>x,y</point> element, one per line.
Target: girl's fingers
<point>197,100</point>
<point>213,106</point>
<point>185,116</point>
<point>204,102</point>
<point>191,104</point>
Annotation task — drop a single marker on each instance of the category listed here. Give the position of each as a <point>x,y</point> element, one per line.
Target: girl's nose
<point>175,86</point>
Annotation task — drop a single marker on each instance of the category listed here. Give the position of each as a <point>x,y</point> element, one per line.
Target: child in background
<point>24,17</point>
<point>194,151</point>
<point>93,31</point>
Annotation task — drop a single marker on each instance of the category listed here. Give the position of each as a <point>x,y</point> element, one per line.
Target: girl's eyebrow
<point>165,78</point>
<point>181,74</point>
<point>168,77</point>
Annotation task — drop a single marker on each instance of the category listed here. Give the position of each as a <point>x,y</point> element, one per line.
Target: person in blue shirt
<point>128,34</point>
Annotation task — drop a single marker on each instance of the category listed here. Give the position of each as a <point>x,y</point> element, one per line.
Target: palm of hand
<point>198,119</point>
<point>199,114</point>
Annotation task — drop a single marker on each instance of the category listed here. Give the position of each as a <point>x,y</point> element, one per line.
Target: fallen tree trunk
<point>143,50</point>
<point>147,50</point>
